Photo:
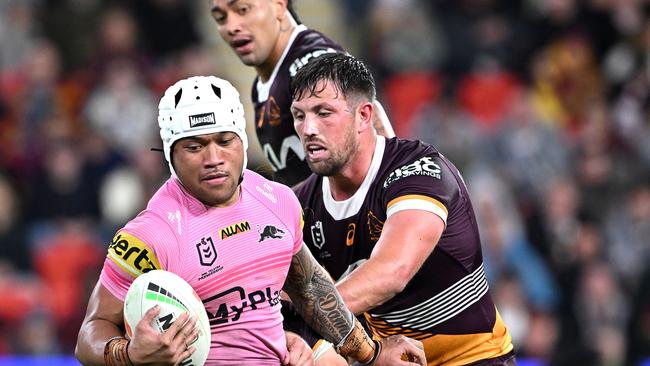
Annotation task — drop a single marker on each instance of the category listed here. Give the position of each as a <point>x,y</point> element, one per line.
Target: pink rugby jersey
<point>236,259</point>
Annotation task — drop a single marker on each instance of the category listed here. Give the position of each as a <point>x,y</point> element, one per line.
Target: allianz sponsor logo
<point>234,229</point>
<point>422,166</point>
<point>302,61</point>
<point>202,119</point>
<point>266,192</point>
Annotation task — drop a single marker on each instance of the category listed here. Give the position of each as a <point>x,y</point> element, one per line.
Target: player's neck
<point>265,69</point>
<point>346,183</point>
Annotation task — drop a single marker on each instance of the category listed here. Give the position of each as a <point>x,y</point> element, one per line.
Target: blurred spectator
<point>121,196</point>
<point>506,249</point>
<point>560,220</point>
<point>406,95</point>
<point>37,335</point>
<point>61,190</point>
<point>566,82</point>
<point>14,251</point>
<point>41,101</point>
<point>529,152</point>
<point>449,128</point>
<point>65,261</point>
<point>168,26</point>
<point>122,109</point>
<point>17,33</point>
<point>601,311</point>
<point>486,95</point>
<point>118,39</point>
<point>544,104</point>
<point>604,163</point>
<point>628,235</point>
<point>639,324</point>
<point>71,25</point>
<point>406,37</point>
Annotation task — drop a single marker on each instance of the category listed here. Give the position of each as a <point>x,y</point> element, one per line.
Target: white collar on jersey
<point>340,210</point>
<point>263,89</point>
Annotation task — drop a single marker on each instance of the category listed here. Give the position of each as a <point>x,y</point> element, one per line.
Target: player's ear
<point>280,7</point>
<point>365,111</point>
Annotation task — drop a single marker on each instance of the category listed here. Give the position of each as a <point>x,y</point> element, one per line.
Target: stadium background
<point>543,105</point>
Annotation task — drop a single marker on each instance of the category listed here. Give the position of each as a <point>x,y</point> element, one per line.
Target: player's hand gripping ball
<point>174,296</point>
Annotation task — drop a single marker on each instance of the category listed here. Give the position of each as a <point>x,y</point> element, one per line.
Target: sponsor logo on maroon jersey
<point>422,166</point>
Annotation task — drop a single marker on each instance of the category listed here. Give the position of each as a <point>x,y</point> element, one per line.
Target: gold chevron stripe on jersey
<point>452,349</point>
<point>417,202</point>
<point>132,255</point>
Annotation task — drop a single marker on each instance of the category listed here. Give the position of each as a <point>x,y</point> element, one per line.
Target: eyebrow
<point>228,4</point>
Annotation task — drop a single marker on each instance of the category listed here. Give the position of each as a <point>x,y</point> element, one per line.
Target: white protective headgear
<point>200,105</point>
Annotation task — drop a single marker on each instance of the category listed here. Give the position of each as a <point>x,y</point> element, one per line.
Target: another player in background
<point>267,35</point>
<point>393,221</point>
<point>236,238</point>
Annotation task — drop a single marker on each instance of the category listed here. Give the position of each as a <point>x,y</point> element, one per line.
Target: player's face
<point>209,166</point>
<point>250,27</point>
<point>327,126</point>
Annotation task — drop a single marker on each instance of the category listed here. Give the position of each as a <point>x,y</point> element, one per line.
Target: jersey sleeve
<point>425,183</point>
<point>137,248</point>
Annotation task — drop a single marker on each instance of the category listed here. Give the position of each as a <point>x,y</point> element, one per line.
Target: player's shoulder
<point>169,196</point>
<point>405,158</point>
<point>399,151</point>
<point>311,38</point>
<point>266,190</point>
<point>306,189</point>
<point>153,229</point>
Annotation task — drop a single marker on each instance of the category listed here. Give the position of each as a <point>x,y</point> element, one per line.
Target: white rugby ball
<point>174,296</point>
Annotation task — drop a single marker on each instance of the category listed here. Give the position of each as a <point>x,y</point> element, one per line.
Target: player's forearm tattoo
<point>315,297</point>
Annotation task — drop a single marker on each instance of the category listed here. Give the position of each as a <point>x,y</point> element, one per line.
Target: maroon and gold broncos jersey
<point>447,305</point>
<point>272,99</point>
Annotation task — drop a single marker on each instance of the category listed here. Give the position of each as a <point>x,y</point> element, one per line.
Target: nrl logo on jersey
<point>422,166</point>
<point>234,229</point>
<point>202,119</point>
<point>318,235</point>
<point>207,251</point>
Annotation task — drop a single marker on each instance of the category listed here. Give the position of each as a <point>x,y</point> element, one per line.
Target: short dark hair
<point>350,76</point>
<point>292,11</point>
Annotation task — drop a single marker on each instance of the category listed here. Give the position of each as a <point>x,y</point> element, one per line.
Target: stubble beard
<point>338,159</point>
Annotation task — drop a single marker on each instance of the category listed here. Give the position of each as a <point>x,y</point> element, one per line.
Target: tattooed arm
<point>315,297</point>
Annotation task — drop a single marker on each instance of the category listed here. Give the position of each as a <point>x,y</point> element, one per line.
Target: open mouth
<point>242,46</point>
<point>315,151</point>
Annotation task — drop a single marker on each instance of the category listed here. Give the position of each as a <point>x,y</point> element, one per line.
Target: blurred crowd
<point>544,105</point>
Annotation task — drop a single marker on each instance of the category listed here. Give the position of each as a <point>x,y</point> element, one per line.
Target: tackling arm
<point>315,297</point>
<point>407,239</point>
